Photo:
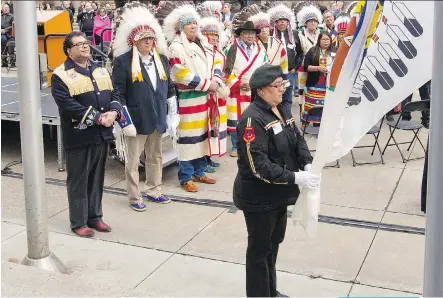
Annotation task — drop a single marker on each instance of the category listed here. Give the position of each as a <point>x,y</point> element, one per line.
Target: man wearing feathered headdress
<point>244,57</point>
<point>215,8</point>
<point>275,50</point>
<point>212,30</point>
<point>284,29</point>
<point>191,60</point>
<point>142,74</point>
<point>309,17</point>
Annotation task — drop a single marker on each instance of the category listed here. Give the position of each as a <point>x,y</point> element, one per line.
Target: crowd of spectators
<point>92,19</point>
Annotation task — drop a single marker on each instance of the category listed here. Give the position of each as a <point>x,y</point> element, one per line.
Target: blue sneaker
<point>214,164</point>
<point>139,206</point>
<point>209,169</point>
<point>162,199</point>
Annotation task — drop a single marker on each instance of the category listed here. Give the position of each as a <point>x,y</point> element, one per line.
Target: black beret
<point>265,75</point>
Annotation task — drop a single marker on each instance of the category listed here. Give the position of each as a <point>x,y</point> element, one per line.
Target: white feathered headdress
<point>214,6</point>
<point>211,26</point>
<point>260,20</point>
<point>308,13</point>
<point>137,23</point>
<point>281,11</point>
<point>180,16</point>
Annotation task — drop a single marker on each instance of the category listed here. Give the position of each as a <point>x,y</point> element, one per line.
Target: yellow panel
<point>59,23</point>
<point>54,22</point>
<point>54,51</point>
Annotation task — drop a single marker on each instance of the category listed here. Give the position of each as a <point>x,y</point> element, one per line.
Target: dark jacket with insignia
<point>82,95</point>
<point>146,106</point>
<point>267,159</point>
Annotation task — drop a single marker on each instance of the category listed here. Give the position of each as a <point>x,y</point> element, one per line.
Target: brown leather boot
<point>190,187</point>
<point>204,179</point>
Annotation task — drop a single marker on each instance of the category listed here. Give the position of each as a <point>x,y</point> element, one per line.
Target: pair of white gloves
<point>306,178</point>
<point>172,120</point>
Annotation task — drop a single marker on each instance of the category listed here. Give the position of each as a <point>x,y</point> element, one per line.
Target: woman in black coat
<point>273,161</point>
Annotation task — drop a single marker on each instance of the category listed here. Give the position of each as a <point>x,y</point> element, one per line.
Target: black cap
<point>265,75</point>
<point>248,26</point>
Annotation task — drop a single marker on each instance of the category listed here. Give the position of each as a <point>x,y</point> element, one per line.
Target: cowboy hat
<point>248,26</point>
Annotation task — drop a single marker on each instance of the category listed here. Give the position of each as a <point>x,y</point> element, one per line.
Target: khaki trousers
<point>152,145</point>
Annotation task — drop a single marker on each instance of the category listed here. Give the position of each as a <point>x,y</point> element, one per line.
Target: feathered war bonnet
<point>261,20</point>
<point>209,25</point>
<point>137,22</point>
<point>309,13</point>
<point>282,12</point>
<point>214,6</point>
<point>176,20</point>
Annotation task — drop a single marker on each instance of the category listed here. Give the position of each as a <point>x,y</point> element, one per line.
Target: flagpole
<point>31,134</point>
<point>433,266</point>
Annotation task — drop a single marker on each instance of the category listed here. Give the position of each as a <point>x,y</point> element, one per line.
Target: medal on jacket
<point>323,61</point>
<point>249,134</point>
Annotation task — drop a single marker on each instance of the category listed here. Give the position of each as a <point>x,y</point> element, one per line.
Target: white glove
<point>307,167</point>
<point>172,120</point>
<point>307,179</point>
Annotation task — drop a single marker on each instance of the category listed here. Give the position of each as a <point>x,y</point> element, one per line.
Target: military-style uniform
<point>269,152</point>
<point>82,95</point>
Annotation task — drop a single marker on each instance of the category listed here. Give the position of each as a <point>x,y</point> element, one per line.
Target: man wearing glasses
<point>244,57</point>
<point>142,75</point>
<point>88,106</point>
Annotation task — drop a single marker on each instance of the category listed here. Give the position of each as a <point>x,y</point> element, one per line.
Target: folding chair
<point>414,126</point>
<point>310,129</point>
<point>11,59</point>
<point>375,131</point>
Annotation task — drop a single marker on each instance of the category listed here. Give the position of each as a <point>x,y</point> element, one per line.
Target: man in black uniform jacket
<point>88,106</point>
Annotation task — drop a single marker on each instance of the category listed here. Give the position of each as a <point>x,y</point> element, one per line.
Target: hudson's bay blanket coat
<point>239,68</point>
<point>191,72</point>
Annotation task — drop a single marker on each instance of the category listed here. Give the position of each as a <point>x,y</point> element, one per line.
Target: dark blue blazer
<point>147,107</point>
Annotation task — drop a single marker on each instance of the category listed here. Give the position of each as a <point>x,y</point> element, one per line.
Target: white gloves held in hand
<point>172,120</point>
<point>306,178</point>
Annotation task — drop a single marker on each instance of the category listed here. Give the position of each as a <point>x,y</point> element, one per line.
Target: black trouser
<point>425,93</point>
<point>85,167</point>
<point>266,230</point>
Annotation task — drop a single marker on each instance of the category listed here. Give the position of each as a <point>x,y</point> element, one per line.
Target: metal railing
<point>101,38</point>
<point>94,50</point>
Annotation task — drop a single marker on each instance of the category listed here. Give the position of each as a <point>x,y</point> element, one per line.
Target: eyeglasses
<point>81,44</point>
<point>279,86</point>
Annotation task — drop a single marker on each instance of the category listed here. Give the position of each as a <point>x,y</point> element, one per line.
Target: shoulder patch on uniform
<point>249,133</point>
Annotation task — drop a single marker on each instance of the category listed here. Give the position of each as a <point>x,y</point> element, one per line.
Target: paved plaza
<point>196,245</point>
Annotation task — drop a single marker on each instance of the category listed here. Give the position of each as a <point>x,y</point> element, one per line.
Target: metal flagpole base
<point>49,263</point>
